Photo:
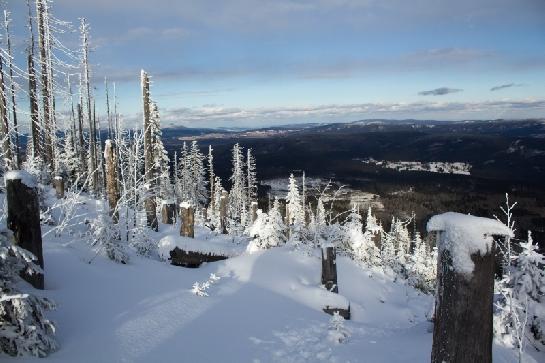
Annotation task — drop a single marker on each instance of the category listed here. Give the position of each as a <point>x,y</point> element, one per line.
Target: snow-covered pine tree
<point>105,236</point>
<point>24,330</point>
<point>295,217</point>
<point>269,229</point>
<point>354,241</point>
<point>184,174</point>
<point>387,250</point>
<point>251,178</point>
<point>237,195</point>
<point>161,162</point>
<point>198,186</point>
<point>211,176</point>
<point>528,281</point>
<point>69,159</point>
<point>214,212</point>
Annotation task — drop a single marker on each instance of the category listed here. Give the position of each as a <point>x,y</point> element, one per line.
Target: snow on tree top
<point>464,235</point>
<point>25,177</point>
<point>58,177</point>
<point>185,205</point>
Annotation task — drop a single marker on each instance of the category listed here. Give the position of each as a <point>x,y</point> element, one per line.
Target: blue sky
<point>256,63</point>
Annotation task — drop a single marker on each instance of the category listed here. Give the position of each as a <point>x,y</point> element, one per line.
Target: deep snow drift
<point>265,307</point>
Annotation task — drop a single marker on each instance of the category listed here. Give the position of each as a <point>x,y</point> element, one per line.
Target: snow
<point>185,205</point>
<point>168,202</point>
<point>265,307</point>
<point>25,177</point>
<point>464,235</point>
<point>57,177</point>
<point>442,167</point>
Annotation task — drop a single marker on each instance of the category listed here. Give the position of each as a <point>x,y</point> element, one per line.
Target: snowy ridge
<point>463,235</point>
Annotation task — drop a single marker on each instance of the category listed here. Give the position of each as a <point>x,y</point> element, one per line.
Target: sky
<point>254,63</point>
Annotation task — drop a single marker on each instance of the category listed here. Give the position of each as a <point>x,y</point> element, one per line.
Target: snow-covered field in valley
<point>261,307</point>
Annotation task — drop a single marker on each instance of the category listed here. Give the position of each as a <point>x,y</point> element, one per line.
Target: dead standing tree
<point>112,187</point>
<point>150,202</point>
<point>465,277</point>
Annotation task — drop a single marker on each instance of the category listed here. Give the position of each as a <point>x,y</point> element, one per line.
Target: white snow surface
<point>262,307</point>
<point>464,235</point>
<point>25,177</point>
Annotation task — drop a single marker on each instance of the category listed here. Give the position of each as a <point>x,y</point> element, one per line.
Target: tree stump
<point>187,216</point>
<point>224,199</point>
<point>58,183</point>
<point>168,213</point>
<point>253,211</point>
<point>329,269</point>
<point>24,219</point>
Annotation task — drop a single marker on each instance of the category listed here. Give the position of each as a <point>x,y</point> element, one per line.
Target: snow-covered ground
<point>265,307</point>
<point>433,166</point>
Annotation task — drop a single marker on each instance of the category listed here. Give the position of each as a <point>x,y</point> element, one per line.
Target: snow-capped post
<point>112,188</point>
<point>187,216</point>
<point>224,200</point>
<point>168,212</point>
<point>58,184</point>
<point>24,219</point>
<point>253,211</point>
<point>465,274</point>
<point>329,269</point>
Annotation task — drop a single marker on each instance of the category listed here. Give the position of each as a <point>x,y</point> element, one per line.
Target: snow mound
<point>464,235</point>
<point>216,247</point>
<point>25,177</point>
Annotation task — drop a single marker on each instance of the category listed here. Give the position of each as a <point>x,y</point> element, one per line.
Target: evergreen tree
<point>295,218</point>
<point>237,195</point>
<point>251,178</point>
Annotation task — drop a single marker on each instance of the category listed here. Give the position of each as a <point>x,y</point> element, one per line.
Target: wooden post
<point>24,219</point>
<point>329,269</point>
<point>465,286</point>
<point>187,216</point>
<point>224,199</point>
<point>58,183</point>
<point>112,188</point>
<point>168,212</point>
<point>253,211</point>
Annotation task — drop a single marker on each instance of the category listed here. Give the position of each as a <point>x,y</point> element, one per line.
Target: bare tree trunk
<point>224,200</point>
<point>4,127</point>
<point>168,213</point>
<point>46,91</point>
<point>24,220</point>
<point>329,269</point>
<point>35,122</point>
<point>112,188</point>
<point>150,202</point>
<point>187,216</point>
<point>17,161</point>
<point>463,311</point>
<point>92,126</point>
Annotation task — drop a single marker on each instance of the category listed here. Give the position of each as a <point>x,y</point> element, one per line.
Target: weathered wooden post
<point>465,285</point>
<point>58,184</point>
<point>329,269</point>
<point>187,216</point>
<point>112,189</point>
<point>24,218</point>
<point>224,199</point>
<point>168,212</point>
<point>253,211</point>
